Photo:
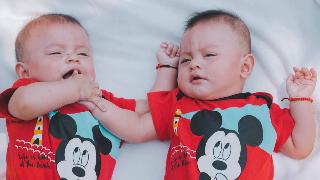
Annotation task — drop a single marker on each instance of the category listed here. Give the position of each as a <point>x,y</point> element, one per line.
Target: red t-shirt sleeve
<point>283,123</point>
<point>129,104</point>
<point>6,95</point>
<point>162,111</point>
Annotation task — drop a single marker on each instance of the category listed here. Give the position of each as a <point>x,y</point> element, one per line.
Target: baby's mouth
<point>196,78</point>
<point>70,73</point>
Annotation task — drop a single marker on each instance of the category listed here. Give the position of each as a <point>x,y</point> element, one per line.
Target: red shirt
<point>67,143</point>
<point>228,138</point>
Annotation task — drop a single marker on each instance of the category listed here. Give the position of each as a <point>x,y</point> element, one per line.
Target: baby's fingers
<point>175,51</point>
<point>307,74</point>
<point>91,106</point>
<point>297,72</point>
<point>97,92</point>
<point>290,79</point>
<point>98,101</point>
<point>169,48</point>
<point>164,45</point>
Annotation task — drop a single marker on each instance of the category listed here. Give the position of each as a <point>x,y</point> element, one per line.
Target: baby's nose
<point>194,64</point>
<point>71,58</point>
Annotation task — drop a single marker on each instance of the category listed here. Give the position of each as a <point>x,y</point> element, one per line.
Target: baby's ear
<point>22,70</point>
<point>247,63</point>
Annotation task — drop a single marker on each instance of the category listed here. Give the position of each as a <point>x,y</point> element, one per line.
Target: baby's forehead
<point>35,29</point>
<point>48,35</point>
<point>211,25</point>
<point>217,28</point>
<point>209,31</point>
<point>54,25</point>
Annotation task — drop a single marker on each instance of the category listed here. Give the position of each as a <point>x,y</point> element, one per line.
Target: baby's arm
<point>168,58</point>
<point>138,126</point>
<point>125,124</point>
<point>301,85</point>
<point>168,54</point>
<point>31,101</point>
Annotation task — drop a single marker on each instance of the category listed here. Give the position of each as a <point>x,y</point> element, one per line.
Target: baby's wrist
<point>74,87</point>
<point>298,99</point>
<point>159,66</point>
<point>77,88</point>
<point>170,62</point>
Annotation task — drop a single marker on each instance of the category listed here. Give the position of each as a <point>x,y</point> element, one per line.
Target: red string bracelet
<point>165,66</point>
<point>298,99</point>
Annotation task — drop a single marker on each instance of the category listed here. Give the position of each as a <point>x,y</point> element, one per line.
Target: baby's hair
<point>43,19</point>
<point>231,19</point>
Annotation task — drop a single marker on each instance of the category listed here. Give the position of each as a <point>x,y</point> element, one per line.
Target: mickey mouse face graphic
<point>221,153</point>
<point>80,160</point>
<point>77,157</point>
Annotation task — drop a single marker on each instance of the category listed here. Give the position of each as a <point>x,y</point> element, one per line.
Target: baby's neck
<point>217,97</point>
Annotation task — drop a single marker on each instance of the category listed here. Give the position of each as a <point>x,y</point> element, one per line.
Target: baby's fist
<point>302,83</point>
<point>168,54</point>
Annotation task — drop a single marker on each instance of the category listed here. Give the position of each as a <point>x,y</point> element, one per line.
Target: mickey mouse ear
<point>102,143</point>
<point>250,130</point>
<point>62,126</point>
<point>205,122</point>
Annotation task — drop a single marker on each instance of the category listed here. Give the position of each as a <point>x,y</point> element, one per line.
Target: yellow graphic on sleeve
<point>37,133</point>
<point>177,115</point>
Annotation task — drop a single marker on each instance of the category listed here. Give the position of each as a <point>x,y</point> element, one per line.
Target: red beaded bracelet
<point>299,99</point>
<point>166,66</point>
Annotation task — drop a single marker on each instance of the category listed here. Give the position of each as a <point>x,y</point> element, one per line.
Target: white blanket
<point>125,35</point>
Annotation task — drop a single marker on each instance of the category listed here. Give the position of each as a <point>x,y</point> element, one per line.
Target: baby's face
<point>55,51</point>
<point>209,65</point>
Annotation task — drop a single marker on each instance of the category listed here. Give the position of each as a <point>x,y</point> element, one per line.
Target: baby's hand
<point>302,83</point>
<point>88,89</point>
<point>91,106</point>
<point>168,54</point>
<point>94,104</point>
